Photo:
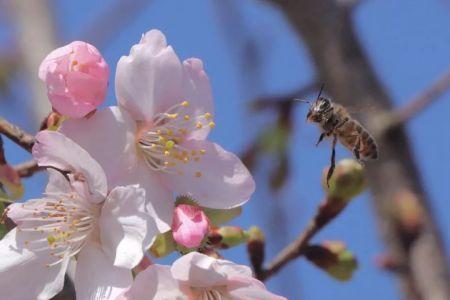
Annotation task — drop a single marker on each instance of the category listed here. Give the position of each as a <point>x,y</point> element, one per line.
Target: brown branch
<point>327,30</point>
<point>27,169</point>
<point>327,212</point>
<point>421,101</point>
<point>17,135</point>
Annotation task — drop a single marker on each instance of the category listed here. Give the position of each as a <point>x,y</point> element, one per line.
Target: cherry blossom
<point>76,77</point>
<point>157,135</point>
<point>76,218</point>
<point>197,276</point>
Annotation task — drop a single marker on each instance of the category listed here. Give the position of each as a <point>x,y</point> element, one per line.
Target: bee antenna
<point>321,89</point>
<point>301,100</point>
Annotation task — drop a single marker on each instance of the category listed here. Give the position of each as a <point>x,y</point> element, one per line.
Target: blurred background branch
<point>35,30</point>
<point>420,102</point>
<point>327,30</point>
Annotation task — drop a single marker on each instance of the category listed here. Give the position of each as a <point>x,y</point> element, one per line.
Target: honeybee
<point>334,121</point>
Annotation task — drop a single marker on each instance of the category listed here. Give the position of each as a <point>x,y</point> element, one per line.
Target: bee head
<point>318,109</point>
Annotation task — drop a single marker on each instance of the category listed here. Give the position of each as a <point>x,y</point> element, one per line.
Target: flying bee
<point>334,121</point>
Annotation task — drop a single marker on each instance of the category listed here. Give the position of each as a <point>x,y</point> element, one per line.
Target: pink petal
<point>218,180</point>
<point>57,183</point>
<point>248,288</point>
<point>149,80</point>
<point>53,149</point>
<point>189,226</point>
<point>197,90</point>
<point>52,58</point>
<point>200,270</point>
<point>19,265</point>
<point>156,282</point>
<point>109,136</point>
<point>96,277</point>
<point>123,226</point>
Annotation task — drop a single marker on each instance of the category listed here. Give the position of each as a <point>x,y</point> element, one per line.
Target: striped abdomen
<point>356,138</point>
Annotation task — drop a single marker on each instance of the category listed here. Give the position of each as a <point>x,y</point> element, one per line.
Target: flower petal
<point>117,155</point>
<point>18,265</point>
<point>123,225</point>
<point>57,183</point>
<point>197,90</point>
<point>199,270</point>
<point>156,282</point>
<point>149,80</point>
<point>108,136</point>
<point>247,288</point>
<point>159,199</point>
<point>96,277</point>
<point>56,150</point>
<point>218,180</point>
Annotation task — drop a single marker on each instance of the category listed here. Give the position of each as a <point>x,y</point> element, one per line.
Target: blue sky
<point>409,47</point>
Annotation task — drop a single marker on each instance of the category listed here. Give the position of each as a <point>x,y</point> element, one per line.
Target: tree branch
<point>326,212</point>
<point>17,135</point>
<point>420,102</point>
<point>27,169</point>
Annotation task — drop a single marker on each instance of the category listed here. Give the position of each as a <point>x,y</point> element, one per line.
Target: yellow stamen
<point>187,117</point>
<point>212,125</point>
<point>198,174</point>
<point>202,151</point>
<point>208,116</point>
<point>198,125</point>
<point>172,116</point>
<point>166,153</point>
<point>185,103</point>
<point>170,144</point>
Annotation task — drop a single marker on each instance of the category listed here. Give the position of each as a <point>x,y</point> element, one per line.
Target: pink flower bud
<point>189,225</point>
<point>76,76</point>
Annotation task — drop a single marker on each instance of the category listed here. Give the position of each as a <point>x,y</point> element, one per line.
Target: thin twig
<point>17,135</point>
<point>421,101</point>
<point>27,169</point>
<point>327,211</point>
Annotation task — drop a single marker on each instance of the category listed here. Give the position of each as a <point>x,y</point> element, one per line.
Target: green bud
<point>231,236</point>
<point>255,233</point>
<point>347,181</point>
<point>163,245</point>
<point>334,258</point>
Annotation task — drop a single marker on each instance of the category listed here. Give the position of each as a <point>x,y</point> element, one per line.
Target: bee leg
<point>322,135</point>
<point>357,148</point>
<point>333,160</point>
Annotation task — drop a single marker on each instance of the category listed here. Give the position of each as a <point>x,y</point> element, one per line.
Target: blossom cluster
<point>114,176</point>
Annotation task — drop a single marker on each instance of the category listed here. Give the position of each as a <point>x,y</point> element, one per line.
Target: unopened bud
<point>255,247</point>
<point>227,236</point>
<point>334,258</point>
<point>407,211</point>
<point>76,77</point>
<point>347,181</point>
<point>255,234</point>
<point>163,245</point>
<point>190,225</point>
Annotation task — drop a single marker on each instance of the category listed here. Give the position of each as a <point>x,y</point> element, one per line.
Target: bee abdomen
<point>356,138</point>
<point>368,147</point>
